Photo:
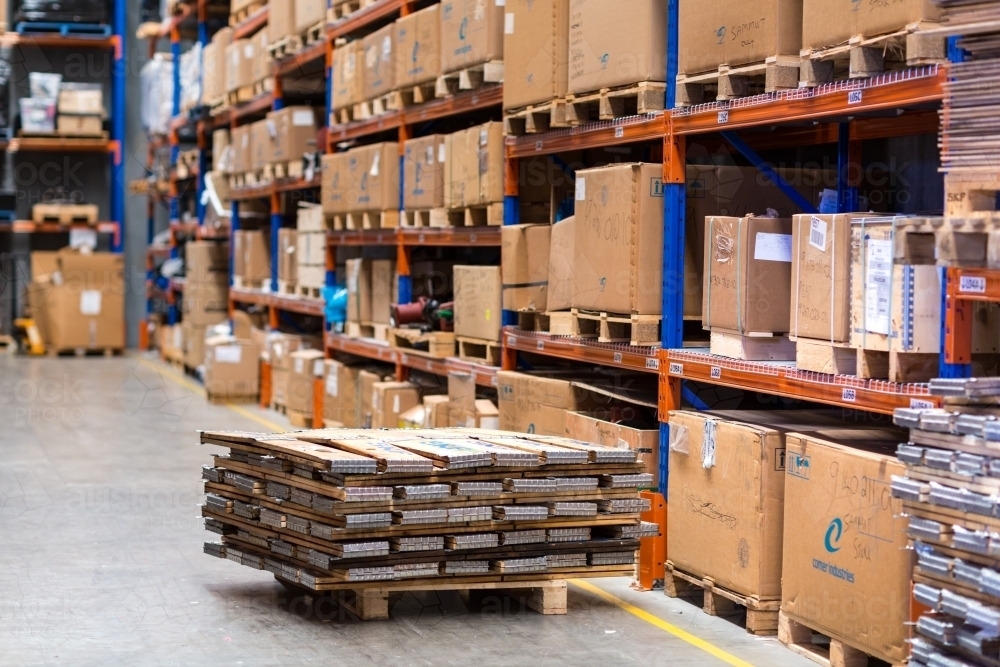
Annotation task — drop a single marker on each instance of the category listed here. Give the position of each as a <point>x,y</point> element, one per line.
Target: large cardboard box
<point>222,158</point>
<point>536,51</point>
<point>214,64</point>
<point>716,32</point>
<point>418,47</point>
<point>340,395</point>
<point>562,276</point>
<point>194,344</point>
<point>206,262</point>
<point>846,567</point>
<point>334,176</point>
<point>539,403</point>
<point>309,13</point>
<point>714,190</point>
<point>367,379</point>
<point>423,172</point>
<point>240,55</point>
<point>379,63</point>
<point>594,427</point>
<point>262,136</point>
<point>241,149</point>
<point>478,312</point>
<point>616,43</point>
<point>383,290</point>
<point>288,246</point>
<point>79,300</point>
<point>295,133</point>
<point>831,22</point>
<point>474,167</point>
<point>390,400</point>
<point>260,68</point>
<point>280,21</point>
<point>471,33</point>
<point>371,178</point>
<point>306,367</point>
<point>232,369</point>
<point>525,267</point>
<point>205,303</point>
<point>254,250</point>
<point>748,273</point>
<point>359,290</point>
<point>618,248</point>
<point>347,76</point>
<point>311,249</point>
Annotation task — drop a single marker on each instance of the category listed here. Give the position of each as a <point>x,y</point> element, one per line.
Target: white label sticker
<point>508,23</point>
<point>653,364</point>
<point>723,117</point>
<point>917,404</point>
<point>581,189</point>
<point>484,137</point>
<point>708,445</point>
<point>248,51</point>
<point>817,234</point>
<point>618,357</point>
<point>494,380</point>
<point>300,365</point>
<point>501,3</point>
<point>333,384</point>
<point>386,47</point>
<point>395,404</point>
<point>849,395</point>
<point>676,369</point>
<point>80,237</point>
<point>302,118</point>
<point>878,286</point>
<point>429,155</point>
<point>855,97</point>
<point>619,132</point>
<point>511,341</point>
<point>376,162</point>
<point>90,302</point>
<point>716,373</point>
<point>540,345</point>
<point>318,368</point>
<point>442,153</point>
<point>773,247</point>
<point>229,354</point>
<point>972,285</point>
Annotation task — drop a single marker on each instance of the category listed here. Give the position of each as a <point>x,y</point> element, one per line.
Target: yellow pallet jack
<point>31,339</point>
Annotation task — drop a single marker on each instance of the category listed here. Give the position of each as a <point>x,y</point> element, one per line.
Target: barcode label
<point>855,97</point>
<point>619,132</point>
<point>511,341</point>
<point>540,346</point>
<point>723,117</point>
<point>538,145</point>
<point>917,404</point>
<point>849,395</point>
<point>716,373</point>
<point>972,285</point>
<point>817,234</point>
<point>676,369</point>
<point>618,357</point>
<point>653,364</point>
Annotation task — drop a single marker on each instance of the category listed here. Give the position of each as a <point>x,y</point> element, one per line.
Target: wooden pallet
<point>479,351</point>
<point>613,103</point>
<point>469,78</point>
<point>245,94</point>
<point>84,351</point>
<point>240,283</point>
<point>65,214</point>
<point>222,399</point>
<point>728,83</point>
<point>862,57</point>
<point>367,330</point>
<point>293,169</point>
<point>961,242</point>
<point>616,328</point>
<point>218,106</point>
<point>298,419</point>
<point>535,118</point>
<point>477,216</point>
<point>432,217</point>
<point>820,356</point>
<point>762,615</point>
<point>286,288</point>
<point>798,638</point>
<point>308,292</point>
<point>752,347</point>
<point>366,220</point>
<point>317,33</point>
<point>371,602</point>
<point>286,46</point>
<point>897,366</point>
<point>434,344</point>
<point>344,9</point>
<point>244,13</point>
<point>373,108</point>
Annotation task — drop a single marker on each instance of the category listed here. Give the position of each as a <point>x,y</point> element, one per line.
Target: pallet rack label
<point>972,285</point>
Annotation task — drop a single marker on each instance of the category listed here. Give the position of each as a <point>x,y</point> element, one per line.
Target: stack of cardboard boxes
<point>371,292</point>
<point>310,257</point>
<point>251,258</point>
<point>247,69</point>
<point>360,188</point>
<point>478,312</point>
<point>286,363</point>
<point>215,80</point>
<point>206,295</point>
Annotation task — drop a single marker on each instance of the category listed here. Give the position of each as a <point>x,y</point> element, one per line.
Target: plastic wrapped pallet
<point>191,77</point>
<point>157,94</point>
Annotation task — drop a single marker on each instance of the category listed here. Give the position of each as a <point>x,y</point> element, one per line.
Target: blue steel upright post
<point>118,125</point>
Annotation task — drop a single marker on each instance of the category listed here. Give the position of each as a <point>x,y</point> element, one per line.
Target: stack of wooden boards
<point>950,491</point>
<point>347,509</point>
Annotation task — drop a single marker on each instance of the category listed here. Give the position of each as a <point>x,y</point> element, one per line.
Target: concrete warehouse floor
<point>101,562</point>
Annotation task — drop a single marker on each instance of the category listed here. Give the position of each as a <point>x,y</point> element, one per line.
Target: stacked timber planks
<point>344,509</point>
<point>952,493</point>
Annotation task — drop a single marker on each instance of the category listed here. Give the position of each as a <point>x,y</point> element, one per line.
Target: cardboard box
<point>255,257</point>
<point>372,178</point>
<point>78,301</point>
<point>483,415</point>
<point>232,369</point>
<point>471,33</point>
<point>334,176</point>
<point>288,245</point>
<point>846,567</point>
<point>281,21</point>
<point>593,427</point>
<point>79,125</point>
<point>821,277</point>
<point>347,76</point>
<point>306,367</point>
<point>748,273</point>
<point>81,100</point>
<point>423,172</point>
<point>379,75</point>
<point>462,391</point>
<point>478,312</point>
<point>281,347</point>
<point>616,43</point>
<point>260,68</point>
<point>222,158</point>
<point>309,218</point>
<point>206,262</point>
<point>205,303</point>
<point>340,396</point>
<point>214,67</point>
<point>194,344</point>
<point>536,48</point>
<point>240,55</point>
<point>618,248</point>
<point>295,133</point>
<point>312,276</point>
<point>716,32</point>
<point>359,290</point>
<point>262,134</point>
<point>436,414</point>
<point>525,267</point>
<point>539,403</point>
<point>309,13</point>
<point>828,23</point>
<point>311,249</point>
<point>418,47</point>
<point>383,293</point>
<point>367,380</point>
<point>242,153</point>
<point>562,276</point>
<point>474,166</point>
<point>390,400</point>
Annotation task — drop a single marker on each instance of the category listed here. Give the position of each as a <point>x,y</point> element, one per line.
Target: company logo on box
<point>834,532</point>
<point>656,187</point>
<point>798,465</point>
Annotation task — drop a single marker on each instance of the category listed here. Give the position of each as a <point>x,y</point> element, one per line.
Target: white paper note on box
<point>773,247</point>
<point>90,302</point>
<point>333,384</point>
<point>878,286</point>
<point>229,354</point>
<point>302,118</point>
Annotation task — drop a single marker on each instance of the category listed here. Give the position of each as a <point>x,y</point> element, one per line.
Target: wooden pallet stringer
<point>762,615</point>
<point>798,638</point>
<point>642,330</point>
<point>481,351</point>
<point>613,103</point>
<point>469,78</point>
<point>775,73</point>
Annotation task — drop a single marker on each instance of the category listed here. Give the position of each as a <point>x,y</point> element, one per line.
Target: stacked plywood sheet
<point>335,509</point>
<point>952,493</point>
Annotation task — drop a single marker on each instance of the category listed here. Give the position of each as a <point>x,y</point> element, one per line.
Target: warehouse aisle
<point>101,563</point>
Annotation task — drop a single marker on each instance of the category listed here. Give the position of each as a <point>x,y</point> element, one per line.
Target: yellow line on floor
<point>683,635</point>
<point>183,381</point>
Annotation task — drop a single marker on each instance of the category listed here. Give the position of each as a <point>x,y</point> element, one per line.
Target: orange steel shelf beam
<point>784,380</point>
<point>280,302</point>
<point>592,135</point>
<point>456,237</point>
<point>297,61</point>
<point>251,24</point>
<point>255,107</point>
<point>625,357</point>
<point>385,9</point>
<point>963,288</point>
